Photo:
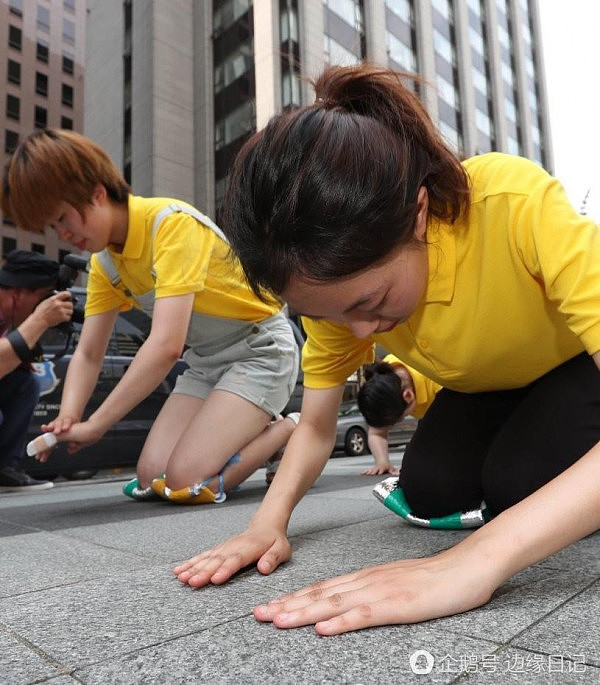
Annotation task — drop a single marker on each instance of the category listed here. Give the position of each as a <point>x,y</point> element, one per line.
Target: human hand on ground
<point>380,469</point>
<point>400,592</point>
<point>267,545</point>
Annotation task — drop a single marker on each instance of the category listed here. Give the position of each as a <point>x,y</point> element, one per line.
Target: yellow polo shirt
<point>185,256</point>
<point>513,290</point>
<point>425,388</point>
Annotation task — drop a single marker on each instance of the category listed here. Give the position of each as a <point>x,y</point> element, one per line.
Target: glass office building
<point>191,81</point>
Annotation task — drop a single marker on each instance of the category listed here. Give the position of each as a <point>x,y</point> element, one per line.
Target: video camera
<point>67,273</point>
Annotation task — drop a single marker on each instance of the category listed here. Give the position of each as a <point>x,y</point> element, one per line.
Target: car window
<point>346,410</point>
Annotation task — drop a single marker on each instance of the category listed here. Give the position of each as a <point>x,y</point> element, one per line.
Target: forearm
<point>80,382</point>
<point>304,459</point>
<point>379,448</point>
<point>146,371</point>
<point>558,514</point>
<point>31,331</point>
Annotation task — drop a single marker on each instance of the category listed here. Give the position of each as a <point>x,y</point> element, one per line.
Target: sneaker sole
<point>25,488</point>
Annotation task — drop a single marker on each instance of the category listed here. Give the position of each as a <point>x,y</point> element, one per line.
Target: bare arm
<point>265,540</point>
<point>49,312</point>
<point>378,444</point>
<point>149,367</point>
<point>83,369</point>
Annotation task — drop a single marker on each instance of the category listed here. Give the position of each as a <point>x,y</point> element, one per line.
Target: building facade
<point>175,88</point>
<point>42,50</point>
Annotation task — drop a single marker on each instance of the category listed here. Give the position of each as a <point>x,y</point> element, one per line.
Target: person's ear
<point>410,398</point>
<point>422,211</point>
<point>99,194</point>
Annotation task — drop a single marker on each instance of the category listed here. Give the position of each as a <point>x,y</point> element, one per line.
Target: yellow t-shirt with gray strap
<point>178,257</point>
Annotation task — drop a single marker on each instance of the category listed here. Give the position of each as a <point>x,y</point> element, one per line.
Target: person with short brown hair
<point>165,257</point>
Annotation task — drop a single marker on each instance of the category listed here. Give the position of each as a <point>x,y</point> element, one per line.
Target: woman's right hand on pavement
<point>268,546</point>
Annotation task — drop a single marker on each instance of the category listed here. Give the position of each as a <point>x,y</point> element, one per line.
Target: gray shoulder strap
<point>108,265</point>
<point>192,211</point>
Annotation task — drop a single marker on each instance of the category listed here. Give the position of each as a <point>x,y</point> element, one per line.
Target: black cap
<point>32,270</point>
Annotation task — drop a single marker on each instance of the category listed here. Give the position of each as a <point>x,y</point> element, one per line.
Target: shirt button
<point>255,329</point>
<point>424,344</point>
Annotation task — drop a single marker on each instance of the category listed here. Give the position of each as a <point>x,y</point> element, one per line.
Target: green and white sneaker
<point>132,489</point>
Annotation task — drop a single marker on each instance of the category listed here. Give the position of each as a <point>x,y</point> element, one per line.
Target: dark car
<point>122,444</point>
<point>352,431</point>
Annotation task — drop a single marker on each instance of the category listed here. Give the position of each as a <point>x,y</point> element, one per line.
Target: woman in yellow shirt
<point>479,275</point>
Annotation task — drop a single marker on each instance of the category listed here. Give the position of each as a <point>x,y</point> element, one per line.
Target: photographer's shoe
<point>132,489</point>
<point>13,480</point>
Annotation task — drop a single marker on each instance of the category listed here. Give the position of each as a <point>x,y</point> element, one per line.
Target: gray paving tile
<point>582,555</point>
<point>41,560</point>
<point>324,554</point>
<point>519,667</point>
<point>8,529</point>
<point>248,652</point>
<point>106,617</point>
<point>519,603</point>
<point>185,531</point>
<point>20,664</point>
<point>574,628</point>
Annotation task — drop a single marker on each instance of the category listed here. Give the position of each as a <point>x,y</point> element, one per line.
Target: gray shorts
<point>257,361</point>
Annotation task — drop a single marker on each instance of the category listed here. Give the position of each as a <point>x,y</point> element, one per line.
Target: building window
<point>290,87</point>
<point>16,7</point>
<point>11,140</point>
<point>68,32</point>
<point>38,247</point>
<point>66,123</point>
<point>15,37</point>
<point>400,8</point>
<point>13,107</point>
<point>8,244</point>
<point>41,83</point>
<point>348,10</point>
<point>14,72</point>
<point>234,125</point>
<point>335,53</point>
<point>40,119</point>
<point>237,63</point>
<point>228,13</point>
<point>401,54</point>
<point>43,18</point>
<point>69,6</point>
<point>42,51</point>
<point>67,95</point>
<point>68,64</point>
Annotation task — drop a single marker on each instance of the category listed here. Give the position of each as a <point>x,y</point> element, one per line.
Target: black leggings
<point>501,446</point>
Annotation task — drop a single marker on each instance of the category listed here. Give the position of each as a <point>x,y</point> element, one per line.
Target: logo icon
<point>421,662</point>
<point>46,376</point>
